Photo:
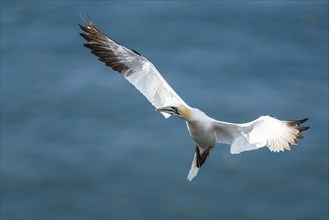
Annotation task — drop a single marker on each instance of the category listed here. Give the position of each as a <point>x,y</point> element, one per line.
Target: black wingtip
<point>303,120</point>
<point>296,124</point>
<point>299,122</point>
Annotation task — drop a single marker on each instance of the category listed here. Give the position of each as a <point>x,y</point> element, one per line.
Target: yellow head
<point>180,111</point>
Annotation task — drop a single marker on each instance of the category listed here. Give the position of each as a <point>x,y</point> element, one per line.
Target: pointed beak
<point>169,110</point>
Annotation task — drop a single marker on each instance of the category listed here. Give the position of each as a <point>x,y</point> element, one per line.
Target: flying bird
<point>266,131</point>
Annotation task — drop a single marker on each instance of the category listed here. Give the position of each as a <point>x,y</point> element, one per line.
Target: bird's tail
<point>198,160</point>
<point>194,169</point>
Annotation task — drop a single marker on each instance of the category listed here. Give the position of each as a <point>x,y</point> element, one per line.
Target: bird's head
<point>180,111</point>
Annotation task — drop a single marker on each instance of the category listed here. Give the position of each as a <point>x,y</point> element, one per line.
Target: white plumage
<point>267,131</point>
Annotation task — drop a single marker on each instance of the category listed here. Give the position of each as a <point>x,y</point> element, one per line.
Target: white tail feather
<point>194,170</point>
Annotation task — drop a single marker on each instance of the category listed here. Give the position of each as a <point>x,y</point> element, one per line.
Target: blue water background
<point>79,142</point>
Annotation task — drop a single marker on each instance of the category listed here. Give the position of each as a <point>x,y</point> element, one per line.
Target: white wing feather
<point>266,131</point>
<point>154,87</point>
<point>134,67</point>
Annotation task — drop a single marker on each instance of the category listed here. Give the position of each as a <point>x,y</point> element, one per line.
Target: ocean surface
<point>79,142</point>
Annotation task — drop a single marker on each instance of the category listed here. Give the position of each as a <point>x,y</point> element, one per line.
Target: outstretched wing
<point>134,67</point>
<point>266,131</point>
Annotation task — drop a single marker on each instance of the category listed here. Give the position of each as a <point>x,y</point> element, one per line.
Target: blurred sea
<point>78,141</point>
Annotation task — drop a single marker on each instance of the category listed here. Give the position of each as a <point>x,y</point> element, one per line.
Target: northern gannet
<point>269,131</point>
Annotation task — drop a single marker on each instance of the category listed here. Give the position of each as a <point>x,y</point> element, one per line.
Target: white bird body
<point>266,131</point>
<point>201,129</point>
